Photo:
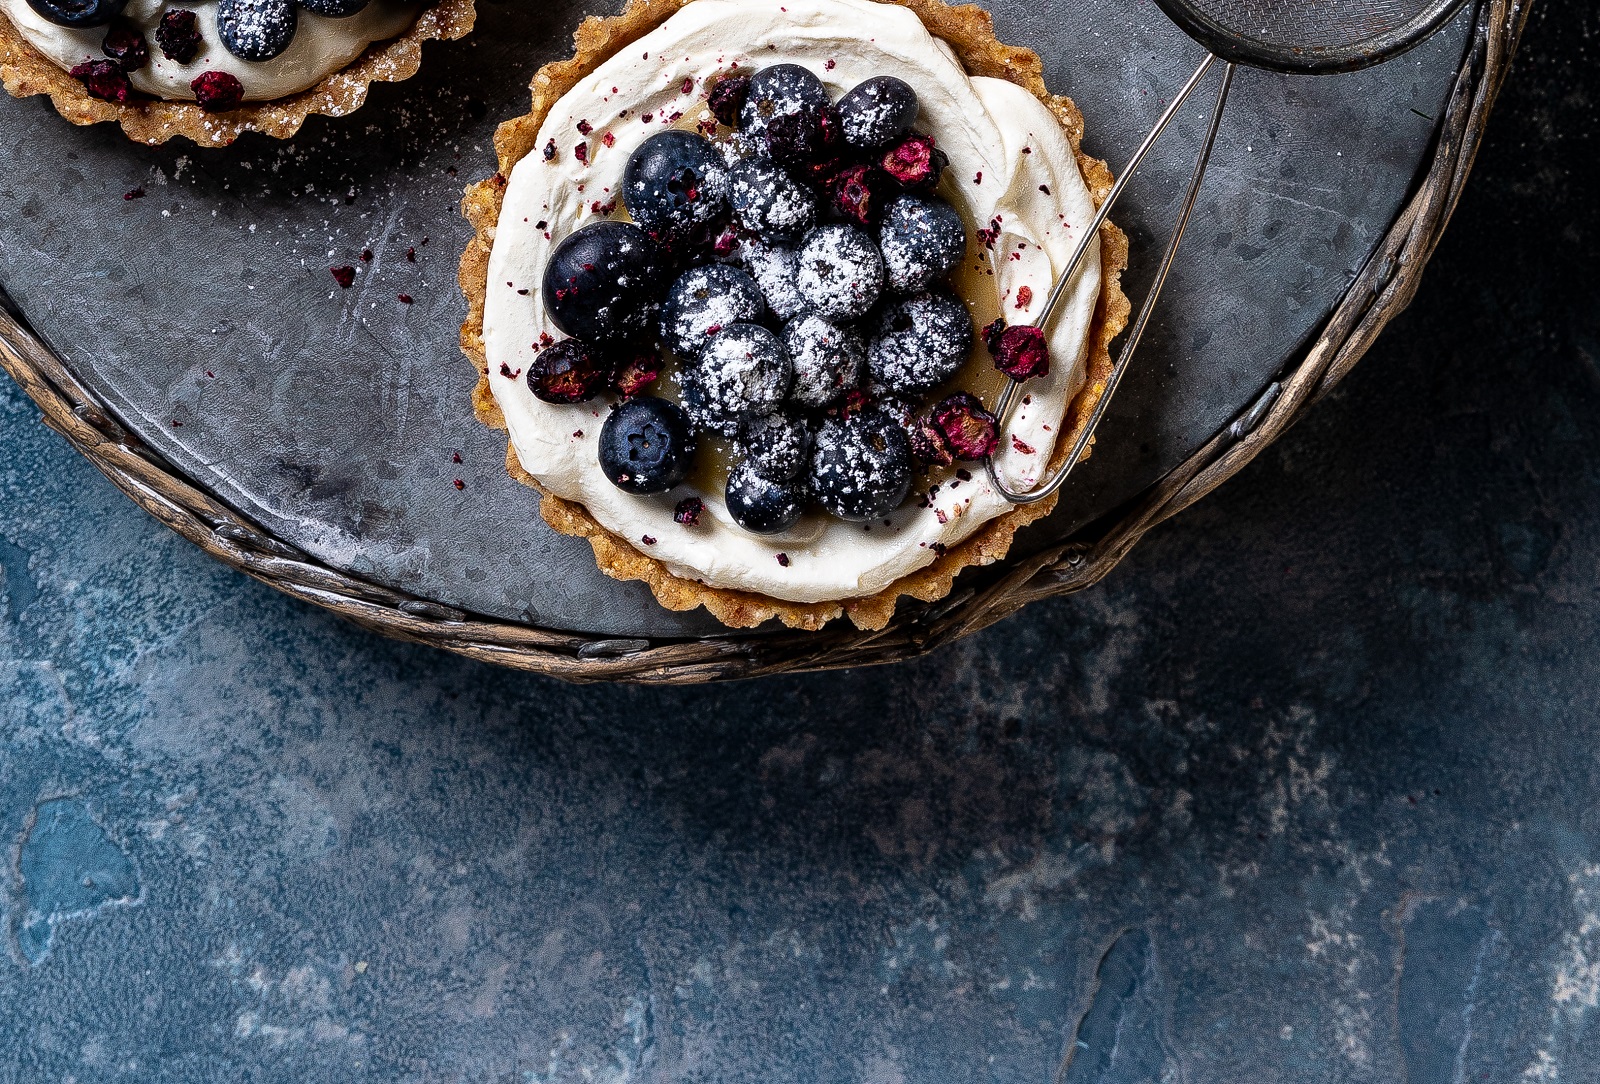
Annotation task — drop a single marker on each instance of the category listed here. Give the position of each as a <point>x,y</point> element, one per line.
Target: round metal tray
<point>172,311</point>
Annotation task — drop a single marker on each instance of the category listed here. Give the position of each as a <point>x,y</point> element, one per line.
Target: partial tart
<point>214,69</point>
<point>1017,177</point>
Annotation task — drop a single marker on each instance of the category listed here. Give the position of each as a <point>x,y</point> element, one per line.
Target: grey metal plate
<point>204,312</point>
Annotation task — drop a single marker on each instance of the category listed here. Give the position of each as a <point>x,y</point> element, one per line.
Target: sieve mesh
<point>1309,35</point>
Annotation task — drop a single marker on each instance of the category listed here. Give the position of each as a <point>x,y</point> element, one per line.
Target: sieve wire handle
<point>1091,235</point>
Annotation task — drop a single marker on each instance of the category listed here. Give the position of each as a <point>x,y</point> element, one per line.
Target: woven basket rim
<point>1380,291</point>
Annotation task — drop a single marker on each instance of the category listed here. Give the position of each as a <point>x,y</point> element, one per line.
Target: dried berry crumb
<point>345,276</point>
<point>648,540</point>
<point>1045,189</point>
<point>550,151</point>
<point>608,139</point>
<point>584,127</point>
<point>1024,296</point>
<point>783,559</point>
<point>411,254</point>
<point>134,193</point>
<point>455,457</point>
<point>1022,446</point>
<point>577,434</point>
<point>366,255</point>
<point>581,153</point>
<point>459,484</point>
<point>687,86</point>
<point>688,511</point>
<point>404,299</point>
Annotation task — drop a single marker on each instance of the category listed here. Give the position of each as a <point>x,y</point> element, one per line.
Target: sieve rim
<point>1227,45</point>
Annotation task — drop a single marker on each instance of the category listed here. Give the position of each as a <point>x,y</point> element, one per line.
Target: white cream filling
<point>321,46</point>
<point>988,127</point>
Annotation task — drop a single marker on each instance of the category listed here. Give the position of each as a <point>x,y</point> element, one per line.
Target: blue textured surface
<point>1304,793</point>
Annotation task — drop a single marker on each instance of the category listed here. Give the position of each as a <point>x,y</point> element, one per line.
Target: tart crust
<point>970,32</point>
<point>24,72</point>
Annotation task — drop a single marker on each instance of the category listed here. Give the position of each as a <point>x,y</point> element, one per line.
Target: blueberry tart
<point>213,69</point>
<point>831,225</point>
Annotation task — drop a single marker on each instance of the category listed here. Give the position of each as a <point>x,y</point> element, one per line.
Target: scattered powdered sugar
<point>742,373</point>
<point>827,360</point>
<point>922,241</point>
<point>773,267</point>
<point>776,446</point>
<point>919,342</point>
<point>840,271</point>
<point>767,201</point>
<point>861,465</point>
<point>705,300</point>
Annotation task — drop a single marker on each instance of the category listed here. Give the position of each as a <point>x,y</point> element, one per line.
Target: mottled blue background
<point>1304,792</point>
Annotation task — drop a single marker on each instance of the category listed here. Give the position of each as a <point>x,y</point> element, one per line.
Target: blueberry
<point>861,466</point>
<point>604,283</point>
<point>777,446</point>
<point>783,90</point>
<point>761,505</point>
<point>256,29</point>
<point>742,374</point>
<point>79,14</point>
<point>646,445</point>
<point>827,360</point>
<point>919,343</point>
<point>768,202</point>
<point>773,267</point>
<point>333,9</point>
<point>877,112</point>
<point>703,302</point>
<point>675,183</point>
<point>840,271</point>
<point>922,241</point>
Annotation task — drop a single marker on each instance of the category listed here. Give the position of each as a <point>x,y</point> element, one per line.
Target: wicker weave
<point>1382,289</point>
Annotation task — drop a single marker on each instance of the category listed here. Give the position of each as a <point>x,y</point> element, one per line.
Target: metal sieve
<point>1289,36</point>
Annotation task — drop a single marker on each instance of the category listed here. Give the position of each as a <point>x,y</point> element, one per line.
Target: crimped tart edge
<point>969,30</point>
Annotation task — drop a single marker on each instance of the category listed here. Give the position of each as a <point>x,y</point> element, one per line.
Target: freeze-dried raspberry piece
<point>103,79</point>
<point>1020,352</point>
<point>217,91</point>
<point>968,429</point>
<point>688,511</point>
<point>854,194</point>
<point>125,44</point>
<point>727,98</point>
<point>567,372</point>
<point>636,371</point>
<point>915,162</point>
<point>178,35</point>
